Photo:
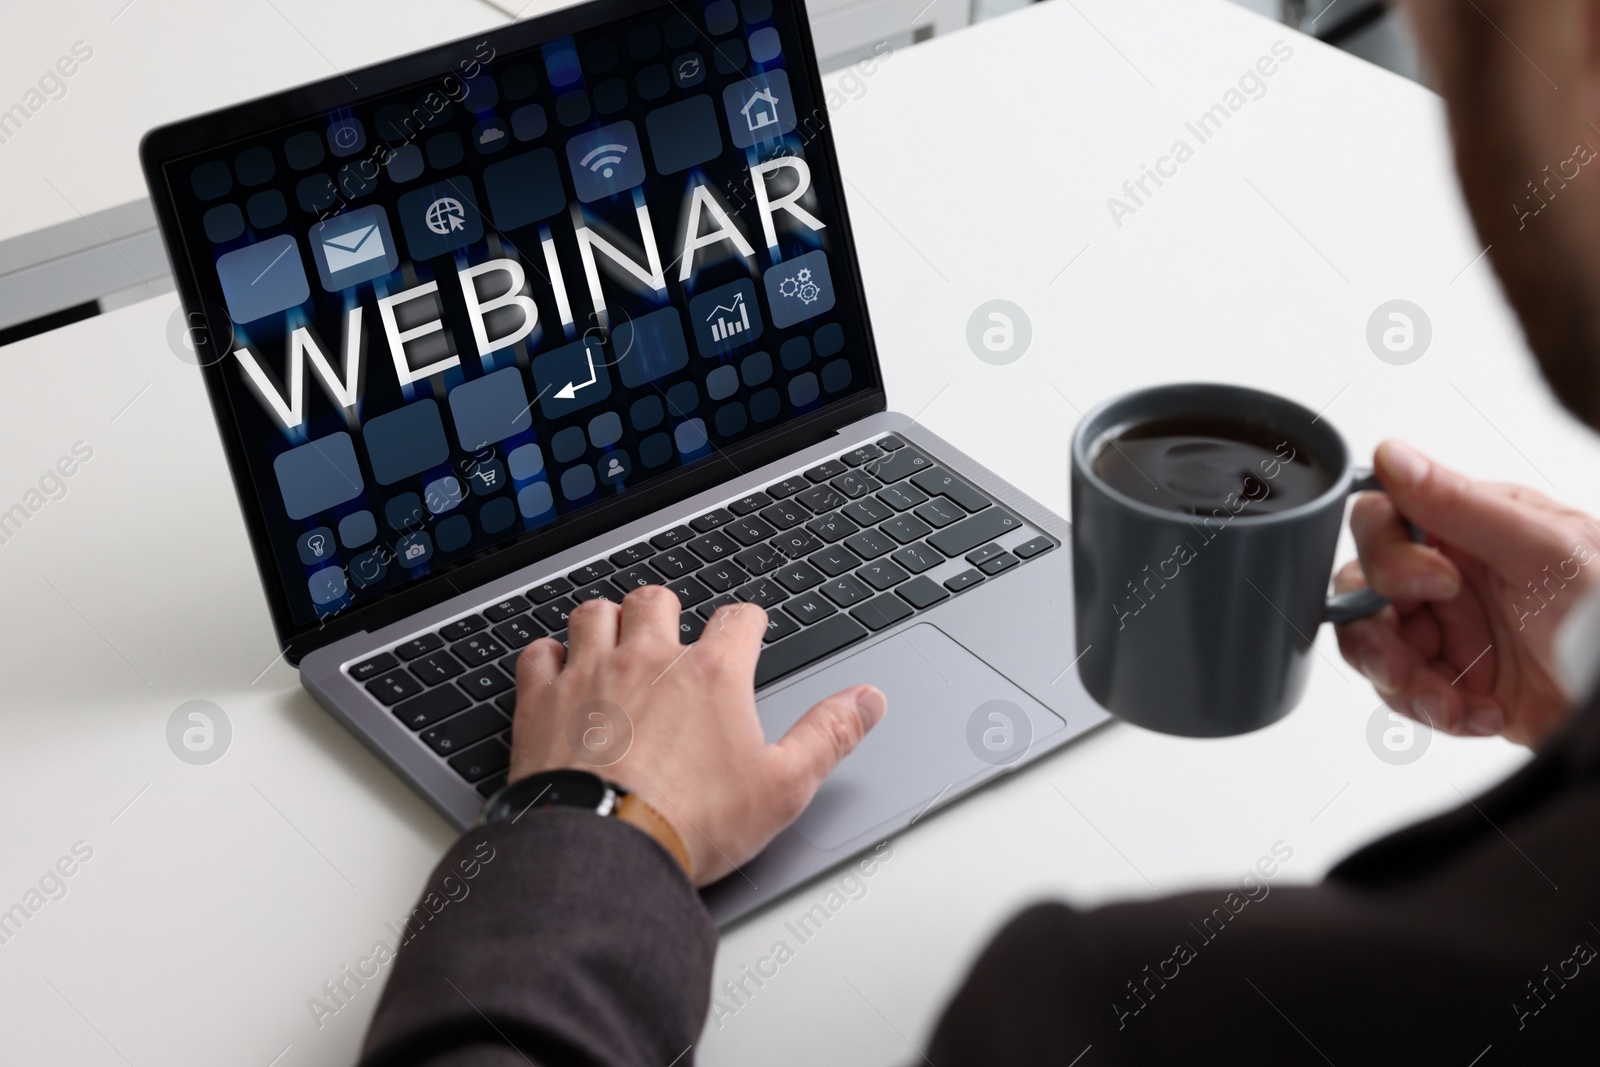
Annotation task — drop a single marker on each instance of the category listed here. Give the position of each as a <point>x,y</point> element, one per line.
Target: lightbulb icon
<point>317,543</point>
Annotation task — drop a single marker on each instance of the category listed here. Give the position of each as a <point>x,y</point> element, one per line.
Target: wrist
<point>585,791</point>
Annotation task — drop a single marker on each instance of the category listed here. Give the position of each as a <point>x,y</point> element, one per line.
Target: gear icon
<point>803,275</point>
<point>788,287</point>
<point>809,292</point>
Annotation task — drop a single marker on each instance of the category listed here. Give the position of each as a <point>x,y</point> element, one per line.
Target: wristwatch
<point>588,792</point>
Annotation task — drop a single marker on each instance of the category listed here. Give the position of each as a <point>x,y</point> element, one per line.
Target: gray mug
<point>1202,627</point>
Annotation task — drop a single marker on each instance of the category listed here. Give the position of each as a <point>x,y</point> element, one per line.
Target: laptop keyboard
<point>835,553</point>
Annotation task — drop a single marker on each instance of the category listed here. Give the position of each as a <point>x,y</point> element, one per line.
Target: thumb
<point>828,733</point>
<point>1481,519</point>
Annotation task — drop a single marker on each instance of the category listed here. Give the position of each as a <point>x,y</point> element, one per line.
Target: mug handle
<point>1359,603</point>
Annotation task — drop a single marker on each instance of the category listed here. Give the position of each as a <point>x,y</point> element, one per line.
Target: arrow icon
<point>570,390</point>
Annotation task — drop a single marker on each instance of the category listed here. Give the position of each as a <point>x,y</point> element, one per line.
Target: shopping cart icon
<point>487,475</point>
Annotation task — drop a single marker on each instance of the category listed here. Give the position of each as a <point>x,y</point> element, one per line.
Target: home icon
<point>760,111</point>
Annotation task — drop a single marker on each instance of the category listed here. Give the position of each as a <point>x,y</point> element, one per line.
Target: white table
<point>220,898</point>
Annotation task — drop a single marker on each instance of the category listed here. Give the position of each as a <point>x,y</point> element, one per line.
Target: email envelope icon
<point>353,248</point>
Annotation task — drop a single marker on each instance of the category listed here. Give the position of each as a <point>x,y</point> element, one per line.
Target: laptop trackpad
<point>952,718</point>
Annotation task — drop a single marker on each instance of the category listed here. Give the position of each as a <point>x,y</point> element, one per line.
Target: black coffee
<point>1208,465</point>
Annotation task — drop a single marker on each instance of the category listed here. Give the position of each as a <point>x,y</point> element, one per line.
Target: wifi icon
<point>606,161</point>
<point>604,158</point>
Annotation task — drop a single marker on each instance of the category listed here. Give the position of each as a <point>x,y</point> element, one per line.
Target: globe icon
<point>445,214</point>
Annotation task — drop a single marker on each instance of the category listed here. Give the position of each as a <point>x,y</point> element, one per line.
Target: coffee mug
<point>1201,625</point>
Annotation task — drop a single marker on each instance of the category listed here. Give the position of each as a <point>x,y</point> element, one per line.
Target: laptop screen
<point>536,279</point>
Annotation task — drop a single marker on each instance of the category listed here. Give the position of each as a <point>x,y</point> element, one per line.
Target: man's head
<point>1522,81</point>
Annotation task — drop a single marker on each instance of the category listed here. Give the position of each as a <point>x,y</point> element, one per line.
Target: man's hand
<point>682,719</point>
<point>1467,644</point>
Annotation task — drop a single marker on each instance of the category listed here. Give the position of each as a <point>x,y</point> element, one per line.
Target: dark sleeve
<point>562,939</point>
<point>1430,946</point>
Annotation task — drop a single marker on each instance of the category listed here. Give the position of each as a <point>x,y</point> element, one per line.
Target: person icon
<point>614,468</point>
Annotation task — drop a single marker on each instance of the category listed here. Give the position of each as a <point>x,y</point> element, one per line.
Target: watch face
<point>570,789</point>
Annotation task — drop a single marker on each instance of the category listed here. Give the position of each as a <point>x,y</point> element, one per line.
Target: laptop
<point>571,307</point>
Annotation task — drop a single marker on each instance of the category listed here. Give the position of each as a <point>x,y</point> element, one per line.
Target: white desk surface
<point>220,898</point>
<point>154,61</point>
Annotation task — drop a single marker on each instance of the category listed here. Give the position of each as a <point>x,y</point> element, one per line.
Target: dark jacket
<point>1468,940</point>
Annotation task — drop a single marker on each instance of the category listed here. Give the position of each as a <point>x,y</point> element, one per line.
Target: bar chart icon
<point>727,320</point>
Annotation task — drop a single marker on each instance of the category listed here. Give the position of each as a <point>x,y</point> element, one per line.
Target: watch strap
<point>634,810</point>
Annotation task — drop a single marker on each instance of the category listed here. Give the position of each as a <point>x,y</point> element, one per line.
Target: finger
<point>1512,534</point>
<point>1391,562</point>
<point>735,632</point>
<point>649,616</point>
<point>1375,648</point>
<point>826,734</point>
<point>591,630</point>
<point>538,665</point>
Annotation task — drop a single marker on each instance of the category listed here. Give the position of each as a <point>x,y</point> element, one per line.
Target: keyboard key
<point>507,703</point>
<point>964,580</point>
<point>939,512</point>
<point>690,627</point>
<point>979,556</point>
<point>485,682</point>
<point>823,471</point>
<point>690,592</point>
<point>721,577</point>
<point>553,616</point>
<point>711,520</point>
<point>627,557</point>
<point>969,533</point>
<point>590,572</point>
<point>1003,562</point>
<point>855,484</point>
<point>709,608</point>
<point>759,559</point>
<point>868,511</point>
<point>477,650</point>
<point>491,785</point>
<point>881,574</point>
<point>784,515</point>
<point>905,528</point>
<point>436,667</point>
<point>431,706</point>
<point>778,625</point>
<point>509,663</point>
<point>890,443</point>
<point>917,558</point>
<point>902,497</point>
<point>869,544</point>
<point>938,481</point>
<point>481,760</point>
<point>796,543</point>
<point>455,631</point>
<point>465,729</point>
<point>675,562</point>
<point>746,504</point>
<point>763,592</point>
<point>799,576</point>
<point>519,632</point>
<point>748,531</point>
<point>713,546</point>
<point>883,610</point>
<point>675,536</point>
<point>1033,548</point>
<point>845,590</point>
<point>857,456</point>
<point>834,561</point>
<point>420,645</point>
<point>831,528</point>
<point>821,498</point>
<point>809,608</point>
<point>367,670</point>
<point>599,589</point>
<point>806,647</point>
<point>511,605</point>
<point>901,463</point>
<point>393,687</point>
<point>787,487</point>
<point>545,592</point>
<point>639,574</point>
<point>921,593</point>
